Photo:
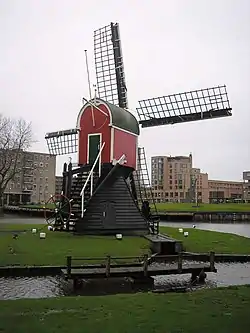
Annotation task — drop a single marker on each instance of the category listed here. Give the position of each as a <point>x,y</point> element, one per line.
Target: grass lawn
<point>224,310</point>
<point>230,207</point>
<point>30,250</point>
<point>39,206</point>
<point>206,241</point>
<point>175,207</point>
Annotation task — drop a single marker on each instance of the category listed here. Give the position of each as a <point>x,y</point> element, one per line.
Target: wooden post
<point>212,259</point>
<point>69,184</point>
<point>180,262</point>
<point>145,265</point>
<point>69,260</point>
<point>108,266</point>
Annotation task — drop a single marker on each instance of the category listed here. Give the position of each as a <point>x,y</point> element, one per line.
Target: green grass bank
<point>189,207</point>
<point>206,241</point>
<point>175,207</point>
<point>218,311</point>
<point>28,249</point>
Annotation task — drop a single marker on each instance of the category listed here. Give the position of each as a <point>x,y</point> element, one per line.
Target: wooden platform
<point>163,244</point>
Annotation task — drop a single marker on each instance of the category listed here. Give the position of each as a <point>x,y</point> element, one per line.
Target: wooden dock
<point>148,267</point>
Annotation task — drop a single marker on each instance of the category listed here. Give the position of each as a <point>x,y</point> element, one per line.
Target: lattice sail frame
<point>62,142</point>
<point>109,66</point>
<point>184,107</point>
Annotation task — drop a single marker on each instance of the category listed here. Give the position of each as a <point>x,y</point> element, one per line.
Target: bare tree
<point>15,138</point>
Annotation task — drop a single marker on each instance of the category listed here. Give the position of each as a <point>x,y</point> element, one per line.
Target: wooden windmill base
<point>112,208</point>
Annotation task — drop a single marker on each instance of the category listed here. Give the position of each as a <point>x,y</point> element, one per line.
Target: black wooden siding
<point>112,209</point>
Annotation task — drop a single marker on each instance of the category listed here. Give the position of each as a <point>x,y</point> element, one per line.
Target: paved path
<point>15,219</point>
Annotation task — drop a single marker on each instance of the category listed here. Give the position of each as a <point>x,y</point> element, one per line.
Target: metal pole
<point>87,66</point>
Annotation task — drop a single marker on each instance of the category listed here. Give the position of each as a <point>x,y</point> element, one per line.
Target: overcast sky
<point>168,47</point>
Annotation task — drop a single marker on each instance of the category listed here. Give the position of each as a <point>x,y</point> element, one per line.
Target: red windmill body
<point>103,122</point>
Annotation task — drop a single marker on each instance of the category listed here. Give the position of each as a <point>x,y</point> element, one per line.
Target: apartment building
<point>223,191</point>
<point>175,180</point>
<point>246,186</point>
<point>59,182</point>
<point>34,181</point>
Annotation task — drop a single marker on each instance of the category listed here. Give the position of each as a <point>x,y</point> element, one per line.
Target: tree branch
<point>15,138</point>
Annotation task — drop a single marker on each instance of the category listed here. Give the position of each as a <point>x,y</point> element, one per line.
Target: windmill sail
<point>184,107</point>
<point>109,65</point>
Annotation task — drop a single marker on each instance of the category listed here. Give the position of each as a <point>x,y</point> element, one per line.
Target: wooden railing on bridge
<point>144,262</point>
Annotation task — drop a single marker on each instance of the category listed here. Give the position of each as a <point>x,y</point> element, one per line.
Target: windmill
<point>109,190</point>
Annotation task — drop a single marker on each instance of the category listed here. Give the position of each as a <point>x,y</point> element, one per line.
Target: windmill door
<point>108,214</point>
<point>94,145</point>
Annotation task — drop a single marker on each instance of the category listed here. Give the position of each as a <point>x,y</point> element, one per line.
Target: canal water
<point>43,287</point>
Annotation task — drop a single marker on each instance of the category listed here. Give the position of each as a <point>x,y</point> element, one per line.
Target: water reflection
<point>39,287</point>
<point>42,287</point>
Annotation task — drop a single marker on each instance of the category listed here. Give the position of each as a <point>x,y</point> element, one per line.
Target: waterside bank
<point>224,213</point>
<point>223,310</point>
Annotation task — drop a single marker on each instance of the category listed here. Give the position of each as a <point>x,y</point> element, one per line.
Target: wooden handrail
<point>108,266</point>
<point>104,258</point>
<point>180,262</point>
<point>144,262</point>
<point>212,260</point>
<point>145,265</point>
<point>69,262</point>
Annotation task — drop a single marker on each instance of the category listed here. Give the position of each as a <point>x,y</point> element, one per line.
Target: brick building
<point>175,180</point>
<point>224,191</point>
<point>246,186</point>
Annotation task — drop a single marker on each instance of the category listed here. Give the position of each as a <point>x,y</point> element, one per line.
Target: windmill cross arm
<point>184,107</point>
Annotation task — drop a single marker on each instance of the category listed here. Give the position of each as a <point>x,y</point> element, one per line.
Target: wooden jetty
<point>148,267</point>
<point>163,244</point>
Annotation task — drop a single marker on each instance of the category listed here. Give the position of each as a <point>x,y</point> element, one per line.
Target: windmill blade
<point>109,65</point>
<point>189,106</point>
<point>62,142</point>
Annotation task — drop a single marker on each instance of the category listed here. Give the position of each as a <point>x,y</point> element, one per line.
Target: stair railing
<point>90,177</point>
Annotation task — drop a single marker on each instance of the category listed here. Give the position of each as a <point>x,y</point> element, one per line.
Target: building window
<point>171,194</point>
<point>41,164</point>
<point>46,179</point>
<point>34,186</point>
<point>47,157</point>
<point>176,194</point>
